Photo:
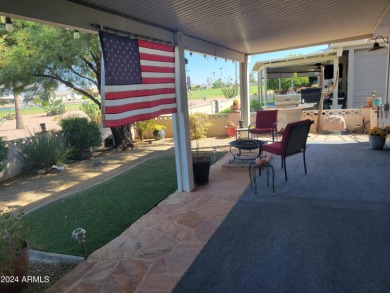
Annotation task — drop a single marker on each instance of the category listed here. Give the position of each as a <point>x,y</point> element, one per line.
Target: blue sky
<point>200,68</point>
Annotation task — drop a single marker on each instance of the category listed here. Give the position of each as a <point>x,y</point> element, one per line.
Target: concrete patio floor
<point>153,254</point>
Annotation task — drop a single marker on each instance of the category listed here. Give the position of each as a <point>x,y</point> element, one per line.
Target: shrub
<point>81,135</point>
<point>55,107</point>
<point>13,233</point>
<point>229,91</point>
<point>93,111</point>
<point>141,127</point>
<point>3,152</point>
<point>199,124</point>
<point>9,116</point>
<point>379,131</point>
<point>44,150</point>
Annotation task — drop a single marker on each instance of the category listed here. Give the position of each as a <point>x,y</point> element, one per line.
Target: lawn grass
<point>37,110</point>
<point>215,93</point>
<point>105,210</point>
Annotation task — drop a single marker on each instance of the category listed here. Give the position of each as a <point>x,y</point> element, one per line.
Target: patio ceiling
<point>253,26</point>
<point>225,28</point>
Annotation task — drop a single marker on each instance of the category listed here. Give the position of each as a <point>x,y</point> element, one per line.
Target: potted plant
<point>377,137</point>
<point>230,128</point>
<point>236,105</point>
<point>158,131</point>
<point>141,126</point>
<point>14,257</point>
<point>199,124</point>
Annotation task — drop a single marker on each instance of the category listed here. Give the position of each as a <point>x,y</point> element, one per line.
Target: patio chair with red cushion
<point>293,142</point>
<point>266,122</point>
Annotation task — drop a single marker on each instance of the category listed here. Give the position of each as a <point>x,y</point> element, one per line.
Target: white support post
<point>181,128</point>
<point>244,91</point>
<point>351,79</point>
<point>265,85</point>
<point>259,89</point>
<point>336,83</point>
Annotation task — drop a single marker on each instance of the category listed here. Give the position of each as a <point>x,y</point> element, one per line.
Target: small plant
<point>13,233</point>
<point>379,131</point>
<point>142,126</point>
<point>199,124</point>
<point>236,102</point>
<point>3,152</point>
<point>43,150</point>
<point>81,135</point>
<point>9,116</point>
<point>93,111</point>
<point>157,127</point>
<point>230,91</point>
<point>55,106</point>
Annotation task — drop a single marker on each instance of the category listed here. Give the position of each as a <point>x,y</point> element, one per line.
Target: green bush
<point>9,116</point>
<point>142,126</point>
<point>229,91</point>
<point>3,152</point>
<point>93,111</point>
<point>44,150</point>
<point>55,107</point>
<point>81,135</point>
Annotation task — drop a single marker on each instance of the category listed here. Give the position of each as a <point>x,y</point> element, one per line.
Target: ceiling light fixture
<point>376,45</point>
<point>9,27</point>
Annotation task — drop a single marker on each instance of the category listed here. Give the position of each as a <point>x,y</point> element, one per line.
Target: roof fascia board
<point>73,16</point>
<point>204,47</point>
<point>272,64</point>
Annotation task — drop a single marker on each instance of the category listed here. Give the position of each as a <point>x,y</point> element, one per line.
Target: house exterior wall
<point>369,75</point>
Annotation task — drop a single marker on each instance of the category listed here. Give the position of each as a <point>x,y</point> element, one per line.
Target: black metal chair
<point>293,142</point>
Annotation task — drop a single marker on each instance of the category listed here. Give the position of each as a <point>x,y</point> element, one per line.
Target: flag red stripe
<point>138,93</point>
<point>140,105</point>
<point>160,58</point>
<point>147,68</point>
<point>155,46</point>
<point>153,80</point>
<point>146,116</point>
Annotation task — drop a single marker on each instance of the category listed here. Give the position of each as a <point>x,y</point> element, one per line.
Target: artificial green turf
<point>38,110</point>
<point>215,93</point>
<point>104,211</point>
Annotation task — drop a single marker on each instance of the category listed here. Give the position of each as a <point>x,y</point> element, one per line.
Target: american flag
<point>139,79</point>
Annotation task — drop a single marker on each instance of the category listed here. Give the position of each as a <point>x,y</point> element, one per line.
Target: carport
<point>229,29</point>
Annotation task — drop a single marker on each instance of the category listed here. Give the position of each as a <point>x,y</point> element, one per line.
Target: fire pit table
<point>247,145</point>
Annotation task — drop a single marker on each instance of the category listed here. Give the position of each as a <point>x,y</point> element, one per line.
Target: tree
<point>55,57</point>
<point>14,78</point>
<point>252,79</point>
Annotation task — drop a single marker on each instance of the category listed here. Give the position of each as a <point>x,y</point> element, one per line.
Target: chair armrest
<point>274,133</point>
<point>249,127</point>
